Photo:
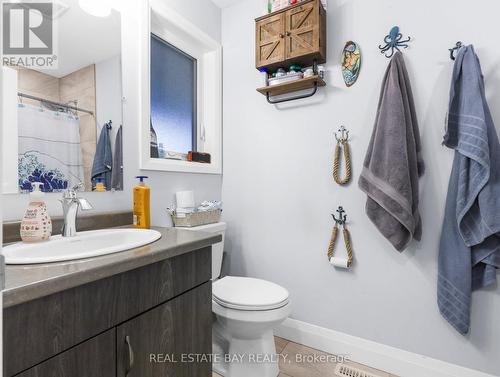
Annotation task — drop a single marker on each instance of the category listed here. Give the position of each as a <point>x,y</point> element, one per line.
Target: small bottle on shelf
<point>264,76</point>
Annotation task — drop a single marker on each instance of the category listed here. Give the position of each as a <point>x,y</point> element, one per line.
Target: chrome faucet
<point>70,203</point>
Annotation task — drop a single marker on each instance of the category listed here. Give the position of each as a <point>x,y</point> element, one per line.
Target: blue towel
<point>103,159</point>
<point>117,169</point>
<point>469,252</point>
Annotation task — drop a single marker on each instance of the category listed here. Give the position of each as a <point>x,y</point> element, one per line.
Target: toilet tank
<point>218,248</point>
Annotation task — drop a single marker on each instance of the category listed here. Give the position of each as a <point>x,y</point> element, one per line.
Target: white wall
<point>203,13</point>
<point>163,185</point>
<point>278,190</point>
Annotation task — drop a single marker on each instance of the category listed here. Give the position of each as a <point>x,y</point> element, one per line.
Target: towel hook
<point>342,219</point>
<point>393,41</point>
<point>344,135</point>
<point>342,143</point>
<point>457,47</point>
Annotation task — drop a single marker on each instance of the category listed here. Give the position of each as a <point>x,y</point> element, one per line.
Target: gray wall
<point>278,190</point>
<point>207,17</point>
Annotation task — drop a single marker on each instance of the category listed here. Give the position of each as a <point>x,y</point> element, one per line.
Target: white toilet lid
<point>244,293</point>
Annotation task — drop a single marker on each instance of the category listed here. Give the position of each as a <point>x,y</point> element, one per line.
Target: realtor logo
<point>28,34</point>
<point>27,28</point>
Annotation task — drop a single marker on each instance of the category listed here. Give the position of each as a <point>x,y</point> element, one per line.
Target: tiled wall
<point>37,84</point>
<point>78,86</point>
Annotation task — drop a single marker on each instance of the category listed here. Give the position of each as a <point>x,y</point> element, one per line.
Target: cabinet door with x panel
<point>302,30</point>
<point>270,40</point>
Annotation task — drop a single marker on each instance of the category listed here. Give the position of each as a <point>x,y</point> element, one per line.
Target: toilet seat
<point>248,294</point>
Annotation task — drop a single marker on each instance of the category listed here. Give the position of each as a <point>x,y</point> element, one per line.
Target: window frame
<point>174,29</point>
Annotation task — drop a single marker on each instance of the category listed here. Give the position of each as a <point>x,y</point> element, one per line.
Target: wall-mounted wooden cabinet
<point>294,35</point>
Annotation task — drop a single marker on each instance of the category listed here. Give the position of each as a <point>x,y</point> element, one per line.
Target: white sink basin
<point>83,245</point>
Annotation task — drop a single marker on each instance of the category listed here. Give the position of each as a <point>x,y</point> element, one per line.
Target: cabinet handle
<point>282,35</point>
<point>130,356</point>
<point>288,33</point>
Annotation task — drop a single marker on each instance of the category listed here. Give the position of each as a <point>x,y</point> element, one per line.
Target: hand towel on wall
<point>49,149</point>
<point>469,252</point>
<point>117,170</point>
<point>393,163</point>
<point>103,159</point>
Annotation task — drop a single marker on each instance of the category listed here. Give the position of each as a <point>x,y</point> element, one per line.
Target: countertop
<point>29,282</point>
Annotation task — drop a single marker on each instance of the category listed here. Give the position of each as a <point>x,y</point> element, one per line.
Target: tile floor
<point>291,352</point>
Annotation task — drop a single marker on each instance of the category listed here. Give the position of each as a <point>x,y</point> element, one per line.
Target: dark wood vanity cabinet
<point>153,321</point>
<point>170,340</point>
<point>93,358</point>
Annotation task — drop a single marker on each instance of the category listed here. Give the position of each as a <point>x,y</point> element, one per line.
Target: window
<point>173,100</point>
<point>181,94</point>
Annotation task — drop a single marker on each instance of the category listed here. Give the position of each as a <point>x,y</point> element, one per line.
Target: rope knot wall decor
<point>342,143</point>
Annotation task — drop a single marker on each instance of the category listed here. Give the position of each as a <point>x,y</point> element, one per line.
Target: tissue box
<point>189,220</point>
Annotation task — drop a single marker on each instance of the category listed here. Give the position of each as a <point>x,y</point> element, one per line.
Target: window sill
<point>181,166</point>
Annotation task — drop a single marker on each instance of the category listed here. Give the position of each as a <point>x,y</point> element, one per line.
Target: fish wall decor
<point>351,63</point>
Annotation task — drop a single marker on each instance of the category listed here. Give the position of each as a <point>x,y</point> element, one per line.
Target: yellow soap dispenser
<point>142,216</point>
<point>99,186</point>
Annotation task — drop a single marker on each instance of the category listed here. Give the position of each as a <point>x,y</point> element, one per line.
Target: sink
<point>84,245</point>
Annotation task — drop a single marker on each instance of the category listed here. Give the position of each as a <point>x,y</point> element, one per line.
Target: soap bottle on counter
<point>36,224</point>
<point>99,186</point>
<point>142,216</point>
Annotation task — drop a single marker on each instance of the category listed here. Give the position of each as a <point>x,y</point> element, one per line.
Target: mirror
<point>62,124</point>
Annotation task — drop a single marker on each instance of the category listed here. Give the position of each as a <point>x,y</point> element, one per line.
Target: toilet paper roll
<point>185,199</point>
<point>339,262</point>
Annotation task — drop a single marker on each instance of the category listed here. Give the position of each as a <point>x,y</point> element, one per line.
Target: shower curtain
<point>49,149</point>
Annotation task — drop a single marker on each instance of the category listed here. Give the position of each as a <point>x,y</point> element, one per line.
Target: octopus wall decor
<point>393,42</point>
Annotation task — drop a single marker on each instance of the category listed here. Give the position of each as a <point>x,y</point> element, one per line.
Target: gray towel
<point>117,170</point>
<point>469,252</point>
<point>103,158</point>
<point>393,163</point>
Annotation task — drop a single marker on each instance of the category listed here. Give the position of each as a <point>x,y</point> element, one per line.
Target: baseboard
<point>376,355</point>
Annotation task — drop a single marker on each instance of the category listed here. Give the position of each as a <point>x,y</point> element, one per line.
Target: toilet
<point>246,310</point>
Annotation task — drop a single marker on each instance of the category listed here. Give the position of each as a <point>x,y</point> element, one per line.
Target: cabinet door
<point>302,30</point>
<point>171,340</point>
<point>269,40</point>
<point>93,358</point>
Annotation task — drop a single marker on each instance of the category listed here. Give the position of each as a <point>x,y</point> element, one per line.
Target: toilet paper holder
<point>340,221</point>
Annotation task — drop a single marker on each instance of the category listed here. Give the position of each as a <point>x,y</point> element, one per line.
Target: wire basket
<point>190,220</point>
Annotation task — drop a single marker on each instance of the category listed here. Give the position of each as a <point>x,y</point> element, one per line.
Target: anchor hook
<point>344,135</point>
<point>342,218</point>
